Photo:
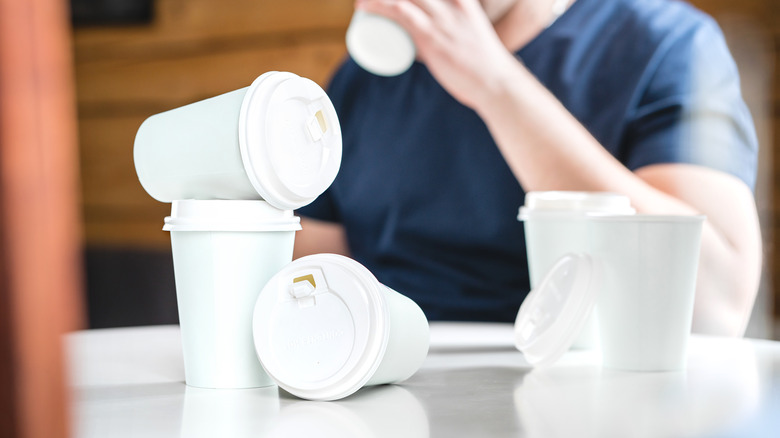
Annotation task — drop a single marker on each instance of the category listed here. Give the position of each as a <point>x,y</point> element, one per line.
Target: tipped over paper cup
<point>278,140</point>
<point>324,327</point>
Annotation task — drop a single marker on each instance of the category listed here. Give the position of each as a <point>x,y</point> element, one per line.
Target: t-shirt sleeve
<point>321,208</point>
<point>691,110</point>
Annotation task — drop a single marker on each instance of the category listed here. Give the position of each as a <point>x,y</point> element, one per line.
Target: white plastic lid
<point>553,315</point>
<point>577,203</point>
<point>321,327</point>
<point>290,139</point>
<point>379,44</point>
<point>229,215</point>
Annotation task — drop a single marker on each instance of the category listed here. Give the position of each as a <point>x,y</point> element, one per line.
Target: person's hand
<point>456,41</point>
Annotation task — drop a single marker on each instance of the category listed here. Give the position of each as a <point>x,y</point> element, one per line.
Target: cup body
<point>324,327</point>
<point>407,341</point>
<point>379,45</point>
<point>648,266</point>
<point>277,140</point>
<point>192,152</point>
<point>555,224</point>
<point>220,266</point>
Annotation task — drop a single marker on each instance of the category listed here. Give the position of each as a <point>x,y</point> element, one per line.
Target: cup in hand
<point>379,45</point>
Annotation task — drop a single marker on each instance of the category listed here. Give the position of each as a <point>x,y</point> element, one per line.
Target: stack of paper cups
<point>235,166</point>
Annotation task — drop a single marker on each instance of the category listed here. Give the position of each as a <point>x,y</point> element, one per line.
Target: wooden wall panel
<point>193,50</point>
<point>153,83</point>
<point>196,24</point>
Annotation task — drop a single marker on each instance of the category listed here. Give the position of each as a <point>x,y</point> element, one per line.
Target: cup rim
<point>648,217</point>
<point>229,215</point>
<point>526,214</point>
<point>573,204</point>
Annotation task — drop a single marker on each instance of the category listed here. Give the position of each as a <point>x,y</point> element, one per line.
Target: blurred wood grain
<point>193,49</point>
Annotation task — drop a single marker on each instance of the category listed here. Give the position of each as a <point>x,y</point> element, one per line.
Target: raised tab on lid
<point>320,327</point>
<point>290,139</point>
<point>552,315</point>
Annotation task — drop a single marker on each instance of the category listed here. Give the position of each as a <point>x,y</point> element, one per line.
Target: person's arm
<point>318,237</point>
<point>730,260</point>
<point>548,149</point>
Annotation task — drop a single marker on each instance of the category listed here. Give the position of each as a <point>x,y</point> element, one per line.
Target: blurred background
<point>135,58</point>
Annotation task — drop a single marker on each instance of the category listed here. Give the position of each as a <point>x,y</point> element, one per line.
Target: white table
<point>129,383</point>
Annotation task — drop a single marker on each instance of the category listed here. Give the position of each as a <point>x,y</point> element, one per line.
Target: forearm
<point>731,254</point>
<point>544,145</point>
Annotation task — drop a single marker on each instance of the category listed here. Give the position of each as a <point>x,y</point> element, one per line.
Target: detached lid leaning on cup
<point>553,315</point>
<point>290,139</point>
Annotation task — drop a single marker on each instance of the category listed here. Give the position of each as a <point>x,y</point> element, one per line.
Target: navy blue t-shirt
<point>429,204</point>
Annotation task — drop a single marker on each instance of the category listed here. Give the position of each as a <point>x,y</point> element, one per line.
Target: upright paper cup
<point>278,140</point>
<point>648,272</point>
<point>224,252</point>
<point>555,224</point>
<point>379,45</point>
<point>324,327</point>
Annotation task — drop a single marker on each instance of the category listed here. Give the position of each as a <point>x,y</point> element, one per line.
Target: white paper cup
<point>648,266</point>
<point>555,224</point>
<point>278,140</point>
<point>224,252</point>
<point>379,45</point>
<point>324,327</point>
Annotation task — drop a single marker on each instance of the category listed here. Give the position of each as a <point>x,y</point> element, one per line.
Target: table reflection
<point>466,388</point>
<point>386,411</point>
<point>234,413</point>
<point>711,395</point>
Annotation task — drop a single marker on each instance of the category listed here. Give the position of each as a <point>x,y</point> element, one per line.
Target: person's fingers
<point>434,8</point>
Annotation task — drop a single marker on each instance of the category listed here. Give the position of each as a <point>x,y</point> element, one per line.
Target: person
<point>638,97</point>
